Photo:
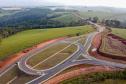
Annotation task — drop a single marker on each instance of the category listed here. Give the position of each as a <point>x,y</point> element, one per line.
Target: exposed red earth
<point>74,73</point>
<point>118,38</point>
<point>12,59</point>
<point>115,49</point>
<point>97,41</point>
<point>104,57</point>
<point>100,55</point>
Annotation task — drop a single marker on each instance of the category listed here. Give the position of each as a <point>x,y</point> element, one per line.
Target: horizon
<point>86,3</point>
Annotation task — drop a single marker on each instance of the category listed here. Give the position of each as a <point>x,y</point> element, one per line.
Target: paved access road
<point>82,49</point>
<point>70,61</point>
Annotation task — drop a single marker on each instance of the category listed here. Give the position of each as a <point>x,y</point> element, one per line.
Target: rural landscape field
<point>63,42</point>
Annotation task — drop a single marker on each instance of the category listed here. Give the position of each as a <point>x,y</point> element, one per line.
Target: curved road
<point>71,61</point>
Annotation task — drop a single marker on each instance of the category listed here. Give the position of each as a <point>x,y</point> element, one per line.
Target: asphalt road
<point>83,49</point>
<point>71,61</point>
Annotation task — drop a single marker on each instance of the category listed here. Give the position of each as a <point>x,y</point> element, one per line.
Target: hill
<point>45,17</point>
<point>28,38</point>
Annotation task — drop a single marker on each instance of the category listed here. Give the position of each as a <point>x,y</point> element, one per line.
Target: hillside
<point>45,17</point>
<point>67,18</point>
<point>28,38</point>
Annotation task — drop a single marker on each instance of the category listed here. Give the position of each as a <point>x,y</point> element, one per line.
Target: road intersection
<point>46,74</point>
<point>71,61</point>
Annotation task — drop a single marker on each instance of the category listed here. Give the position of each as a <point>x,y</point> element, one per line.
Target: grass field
<point>119,32</point>
<point>101,15</point>
<point>25,39</point>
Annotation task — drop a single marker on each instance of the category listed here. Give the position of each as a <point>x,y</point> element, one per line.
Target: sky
<point>109,3</point>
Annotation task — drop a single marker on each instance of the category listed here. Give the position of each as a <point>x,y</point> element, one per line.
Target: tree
<point>112,23</point>
<point>95,19</point>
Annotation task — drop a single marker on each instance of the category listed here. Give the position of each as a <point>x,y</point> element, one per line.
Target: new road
<point>70,61</point>
<point>46,74</point>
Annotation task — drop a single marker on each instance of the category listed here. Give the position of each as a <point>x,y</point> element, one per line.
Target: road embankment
<point>16,57</point>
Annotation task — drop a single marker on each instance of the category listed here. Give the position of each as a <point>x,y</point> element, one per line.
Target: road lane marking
<point>9,82</point>
<point>7,70</point>
<point>60,51</point>
<point>51,56</point>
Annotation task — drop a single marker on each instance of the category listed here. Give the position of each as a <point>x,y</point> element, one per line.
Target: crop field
<point>29,38</point>
<point>119,32</point>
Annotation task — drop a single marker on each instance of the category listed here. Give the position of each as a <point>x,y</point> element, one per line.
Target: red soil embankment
<point>97,41</point>
<point>75,73</point>
<point>118,38</point>
<point>116,49</point>
<point>12,59</point>
<point>96,44</point>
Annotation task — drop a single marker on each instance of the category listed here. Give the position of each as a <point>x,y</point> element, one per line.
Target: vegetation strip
<point>74,73</point>
<point>95,78</point>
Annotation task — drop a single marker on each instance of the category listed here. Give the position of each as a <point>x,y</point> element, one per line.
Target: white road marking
<point>55,54</point>
<point>9,82</point>
<point>51,56</point>
<point>7,70</point>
